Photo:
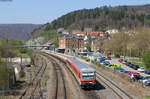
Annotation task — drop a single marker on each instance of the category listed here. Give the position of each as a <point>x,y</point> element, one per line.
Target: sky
<point>44,11</point>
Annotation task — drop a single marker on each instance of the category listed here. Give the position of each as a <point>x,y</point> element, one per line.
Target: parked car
<point>94,56</point>
<point>135,73</point>
<point>117,65</point>
<point>120,60</point>
<point>135,77</point>
<point>105,63</point>
<point>60,50</point>
<point>130,65</point>
<point>141,69</point>
<point>127,63</point>
<point>147,71</point>
<point>145,80</point>
<point>108,57</point>
<point>117,55</point>
<point>101,59</point>
<point>135,67</point>
<point>121,70</point>
<point>126,72</point>
<point>114,66</point>
<point>124,62</point>
<point>109,66</point>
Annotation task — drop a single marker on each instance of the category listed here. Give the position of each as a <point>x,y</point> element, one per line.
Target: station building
<point>71,43</point>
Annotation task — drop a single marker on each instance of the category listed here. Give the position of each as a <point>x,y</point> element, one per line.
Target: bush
<point>96,63</point>
<point>3,70</point>
<point>132,53</point>
<point>146,59</point>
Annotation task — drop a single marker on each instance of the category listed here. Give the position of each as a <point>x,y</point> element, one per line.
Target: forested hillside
<point>17,31</point>
<point>104,17</point>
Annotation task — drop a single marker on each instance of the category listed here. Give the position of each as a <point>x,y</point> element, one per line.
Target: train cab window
<point>88,76</point>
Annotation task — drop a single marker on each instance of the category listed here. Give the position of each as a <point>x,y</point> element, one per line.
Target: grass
<point>46,76</point>
<point>84,58</point>
<point>23,55</point>
<point>147,97</point>
<point>137,62</point>
<point>3,71</point>
<point>96,63</point>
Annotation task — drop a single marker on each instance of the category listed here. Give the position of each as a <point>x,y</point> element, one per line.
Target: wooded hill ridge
<point>17,31</point>
<point>103,18</point>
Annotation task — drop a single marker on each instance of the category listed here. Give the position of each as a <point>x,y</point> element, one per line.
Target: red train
<point>85,75</point>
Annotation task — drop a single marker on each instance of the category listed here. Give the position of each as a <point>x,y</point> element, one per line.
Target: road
<point>115,61</point>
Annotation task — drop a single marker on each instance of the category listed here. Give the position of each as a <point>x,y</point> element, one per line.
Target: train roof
<point>82,66</point>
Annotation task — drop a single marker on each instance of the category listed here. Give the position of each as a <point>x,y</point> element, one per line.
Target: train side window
<point>73,68</point>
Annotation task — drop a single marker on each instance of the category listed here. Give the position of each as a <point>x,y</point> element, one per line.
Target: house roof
<point>100,37</point>
<point>79,32</point>
<point>92,33</point>
<point>96,33</point>
<point>71,36</point>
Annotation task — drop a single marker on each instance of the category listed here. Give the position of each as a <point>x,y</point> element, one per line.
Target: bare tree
<point>142,40</point>
<point>118,43</point>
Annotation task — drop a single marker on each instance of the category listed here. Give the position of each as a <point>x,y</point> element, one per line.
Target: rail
<point>35,83</point>
<point>60,81</point>
<point>115,88</point>
<point>119,92</point>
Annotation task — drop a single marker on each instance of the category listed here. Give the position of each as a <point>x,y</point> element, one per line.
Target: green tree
<point>146,59</point>
<point>88,46</point>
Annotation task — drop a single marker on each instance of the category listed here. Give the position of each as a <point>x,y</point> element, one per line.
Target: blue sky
<point>43,11</point>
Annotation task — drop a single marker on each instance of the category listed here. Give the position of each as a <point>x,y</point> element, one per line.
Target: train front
<point>88,78</point>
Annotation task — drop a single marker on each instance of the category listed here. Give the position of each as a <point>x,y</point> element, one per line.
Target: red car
<point>120,60</point>
<point>134,73</point>
<point>134,76</point>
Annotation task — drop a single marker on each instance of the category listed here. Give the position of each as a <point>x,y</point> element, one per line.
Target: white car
<point>94,56</point>
<point>141,69</point>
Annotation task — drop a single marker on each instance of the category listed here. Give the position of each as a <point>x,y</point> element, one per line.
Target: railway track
<point>90,94</point>
<point>60,88</point>
<point>34,84</point>
<point>117,90</point>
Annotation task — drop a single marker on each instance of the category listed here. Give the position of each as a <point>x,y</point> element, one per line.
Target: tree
<point>118,43</point>
<point>141,40</point>
<point>88,46</point>
<point>106,35</point>
<point>146,59</point>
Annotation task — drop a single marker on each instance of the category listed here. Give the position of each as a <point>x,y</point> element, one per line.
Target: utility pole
<point>7,61</point>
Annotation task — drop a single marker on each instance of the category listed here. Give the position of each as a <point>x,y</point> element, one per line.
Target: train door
<point>80,76</point>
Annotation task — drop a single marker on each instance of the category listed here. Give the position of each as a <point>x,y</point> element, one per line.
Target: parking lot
<point>115,61</point>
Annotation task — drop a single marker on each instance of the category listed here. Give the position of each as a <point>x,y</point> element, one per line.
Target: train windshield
<point>88,76</point>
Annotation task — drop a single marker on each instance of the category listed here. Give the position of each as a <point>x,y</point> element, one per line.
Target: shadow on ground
<point>98,86</point>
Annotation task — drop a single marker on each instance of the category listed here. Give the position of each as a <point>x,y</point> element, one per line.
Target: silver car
<point>145,80</point>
